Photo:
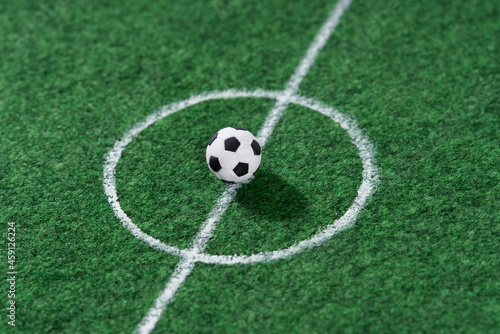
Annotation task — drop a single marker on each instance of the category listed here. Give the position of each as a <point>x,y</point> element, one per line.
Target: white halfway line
<point>187,263</point>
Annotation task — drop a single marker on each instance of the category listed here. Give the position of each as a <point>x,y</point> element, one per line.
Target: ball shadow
<point>270,196</point>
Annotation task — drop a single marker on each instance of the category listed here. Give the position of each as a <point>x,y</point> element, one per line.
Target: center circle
<point>360,140</point>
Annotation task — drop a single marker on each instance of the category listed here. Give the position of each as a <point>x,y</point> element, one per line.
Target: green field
<point>422,81</point>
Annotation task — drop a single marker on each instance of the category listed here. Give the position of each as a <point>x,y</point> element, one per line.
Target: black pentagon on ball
<point>256,147</point>
<point>238,128</point>
<point>214,137</point>
<point>231,144</point>
<point>214,164</point>
<point>241,169</point>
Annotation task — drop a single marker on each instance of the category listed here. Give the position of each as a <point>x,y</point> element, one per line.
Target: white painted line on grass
<point>187,264</point>
<point>370,179</point>
<point>182,270</point>
<point>301,70</point>
<point>113,156</point>
<point>316,46</point>
<point>208,227</point>
<point>366,153</point>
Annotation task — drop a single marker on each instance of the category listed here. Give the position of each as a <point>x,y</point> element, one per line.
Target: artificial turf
<point>421,79</point>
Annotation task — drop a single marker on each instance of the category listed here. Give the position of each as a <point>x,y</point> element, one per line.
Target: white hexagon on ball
<point>233,154</point>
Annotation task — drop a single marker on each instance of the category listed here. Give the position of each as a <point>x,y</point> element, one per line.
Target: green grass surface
<point>421,79</point>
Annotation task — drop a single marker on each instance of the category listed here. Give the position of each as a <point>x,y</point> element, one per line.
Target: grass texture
<point>421,79</point>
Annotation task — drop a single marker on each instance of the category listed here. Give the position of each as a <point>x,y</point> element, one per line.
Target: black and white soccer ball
<point>233,154</point>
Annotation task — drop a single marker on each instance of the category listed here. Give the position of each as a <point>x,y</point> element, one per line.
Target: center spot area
<point>300,157</point>
<point>309,177</point>
<point>163,182</point>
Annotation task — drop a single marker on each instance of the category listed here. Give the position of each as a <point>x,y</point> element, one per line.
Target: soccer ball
<point>233,154</point>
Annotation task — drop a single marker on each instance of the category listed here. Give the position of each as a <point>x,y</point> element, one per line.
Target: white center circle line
<point>195,251</point>
<point>194,254</point>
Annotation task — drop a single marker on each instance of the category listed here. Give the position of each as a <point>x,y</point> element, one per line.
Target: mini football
<point>233,154</point>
